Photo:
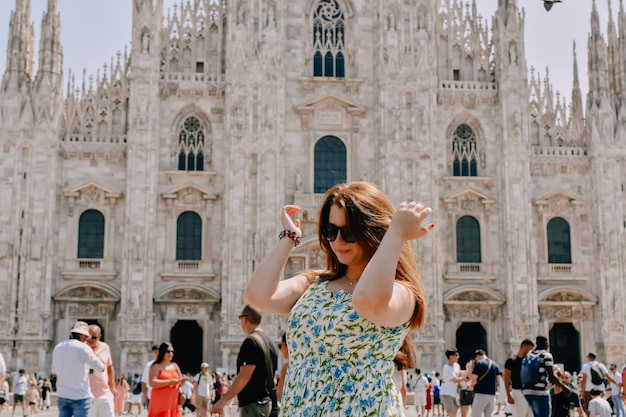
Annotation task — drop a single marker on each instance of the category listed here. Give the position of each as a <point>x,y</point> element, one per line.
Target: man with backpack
<point>536,373</point>
<point>513,382</point>
<point>594,374</point>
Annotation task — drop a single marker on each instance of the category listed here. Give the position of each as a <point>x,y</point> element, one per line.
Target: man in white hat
<point>203,392</point>
<point>72,360</point>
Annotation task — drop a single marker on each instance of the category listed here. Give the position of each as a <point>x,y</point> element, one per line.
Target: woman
<point>46,388</point>
<point>405,359</point>
<point>122,387</point>
<point>284,352</point>
<point>346,323</point>
<point>165,379</point>
<point>466,394</point>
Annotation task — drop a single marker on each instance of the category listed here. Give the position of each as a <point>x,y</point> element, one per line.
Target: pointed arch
<point>328,24</point>
<point>192,129</point>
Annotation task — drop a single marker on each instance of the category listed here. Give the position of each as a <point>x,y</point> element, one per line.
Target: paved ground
<point>231,411</point>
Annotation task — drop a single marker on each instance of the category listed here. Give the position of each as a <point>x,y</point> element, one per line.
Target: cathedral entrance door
<point>469,337</point>
<point>186,337</point>
<point>565,346</point>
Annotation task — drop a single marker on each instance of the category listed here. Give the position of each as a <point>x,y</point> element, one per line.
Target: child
<point>598,406</point>
<point>32,397</point>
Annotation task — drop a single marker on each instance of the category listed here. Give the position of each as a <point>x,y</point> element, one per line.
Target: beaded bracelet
<point>291,235</point>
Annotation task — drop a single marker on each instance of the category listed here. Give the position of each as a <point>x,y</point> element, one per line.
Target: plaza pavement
<point>230,411</point>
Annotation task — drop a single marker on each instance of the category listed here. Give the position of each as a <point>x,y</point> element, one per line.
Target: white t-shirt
<point>3,365</point>
<point>587,371</point>
<point>448,386</point>
<point>71,361</point>
<point>615,389</point>
<point>205,385</point>
<point>145,378</point>
<point>20,386</point>
<point>420,385</point>
<point>599,407</point>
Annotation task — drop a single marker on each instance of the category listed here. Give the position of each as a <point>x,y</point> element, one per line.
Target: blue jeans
<point>76,408</point>
<point>539,405</point>
<point>618,406</point>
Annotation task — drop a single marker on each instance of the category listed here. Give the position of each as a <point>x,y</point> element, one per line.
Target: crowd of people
<point>529,385</point>
<point>84,381</point>
<point>347,348</point>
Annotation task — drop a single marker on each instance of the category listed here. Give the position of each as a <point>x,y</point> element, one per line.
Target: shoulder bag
<point>466,396</point>
<point>270,378</point>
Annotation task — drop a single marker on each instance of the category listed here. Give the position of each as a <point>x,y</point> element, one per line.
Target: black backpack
<point>597,376</point>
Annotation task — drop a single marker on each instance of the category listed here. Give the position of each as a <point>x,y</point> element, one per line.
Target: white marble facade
<point>406,80</point>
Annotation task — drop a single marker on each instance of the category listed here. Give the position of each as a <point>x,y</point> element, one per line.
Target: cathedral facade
<point>143,198</point>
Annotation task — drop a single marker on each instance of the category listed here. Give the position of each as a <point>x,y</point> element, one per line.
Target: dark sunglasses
<point>329,232</point>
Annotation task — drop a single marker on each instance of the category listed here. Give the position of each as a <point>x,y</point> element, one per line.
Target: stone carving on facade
<point>470,312</point>
<point>187,310</point>
<point>91,194</point>
<point>186,294</point>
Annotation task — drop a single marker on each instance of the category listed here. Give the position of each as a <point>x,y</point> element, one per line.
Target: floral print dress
<point>339,363</point>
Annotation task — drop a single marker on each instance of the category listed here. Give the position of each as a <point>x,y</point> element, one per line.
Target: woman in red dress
<point>165,379</point>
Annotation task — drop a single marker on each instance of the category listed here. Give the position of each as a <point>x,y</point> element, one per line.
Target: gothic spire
<point>597,55</point>
<point>20,46</point>
<point>577,99</point>
<point>50,49</point>
<point>613,57</point>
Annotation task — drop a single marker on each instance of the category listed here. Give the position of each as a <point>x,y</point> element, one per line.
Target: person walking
<point>165,379</point>
<point>71,361</point>
<point>20,388</point>
<point>450,379</point>
<point>538,394</point>
<point>346,323</point>
<point>102,384</point>
<point>485,382</point>
<point>145,388</point>
<point>420,386</point>
<point>121,387</point>
<point>593,375</point>
<point>251,384</point>
<point>203,390</point>
<point>616,391</point>
<point>562,402</point>
<point>513,382</point>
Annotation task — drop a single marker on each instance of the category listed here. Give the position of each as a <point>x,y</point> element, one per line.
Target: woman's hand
<point>408,220</point>
<point>286,214</point>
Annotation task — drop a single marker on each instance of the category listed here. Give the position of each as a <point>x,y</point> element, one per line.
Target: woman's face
<point>350,254</point>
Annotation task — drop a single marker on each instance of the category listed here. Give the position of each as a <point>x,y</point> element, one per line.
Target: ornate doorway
<point>186,337</point>
<point>565,346</point>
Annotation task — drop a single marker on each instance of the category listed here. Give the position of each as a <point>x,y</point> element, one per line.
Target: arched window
<point>464,152</point>
<point>468,240</point>
<point>328,40</point>
<point>91,235</point>
<point>330,163</point>
<point>559,243</point>
<point>191,146</point>
<point>189,237</point>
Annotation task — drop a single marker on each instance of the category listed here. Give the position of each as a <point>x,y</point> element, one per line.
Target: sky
<point>94,31</point>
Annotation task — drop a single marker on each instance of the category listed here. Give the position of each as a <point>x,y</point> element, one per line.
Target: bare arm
<point>265,290</point>
<point>240,381</point>
<point>377,297</point>
<point>111,376</point>
<point>507,386</point>
<point>403,387</point>
<point>281,382</point>
<point>155,382</point>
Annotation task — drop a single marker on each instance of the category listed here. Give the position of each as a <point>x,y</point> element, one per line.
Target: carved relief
<point>186,294</point>
<point>470,312</point>
<point>186,310</point>
<point>563,313</point>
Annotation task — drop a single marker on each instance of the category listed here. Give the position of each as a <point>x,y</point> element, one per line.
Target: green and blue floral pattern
<point>339,363</point>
